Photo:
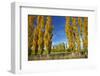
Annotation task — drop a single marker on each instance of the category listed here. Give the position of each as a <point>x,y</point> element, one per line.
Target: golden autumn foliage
<point>80,25</point>
<point>41,33</point>
<point>40,36</point>
<point>69,33</point>
<point>84,30</point>
<point>30,30</point>
<point>35,40</point>
<point>48,34</point>
<point>85,42</point>
<point>76,32</point>
<point>38,43</point>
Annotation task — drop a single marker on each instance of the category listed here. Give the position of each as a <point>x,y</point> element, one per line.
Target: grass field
<point>58,55</point>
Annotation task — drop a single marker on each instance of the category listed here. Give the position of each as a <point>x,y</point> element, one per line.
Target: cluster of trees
<point>77,32</point>
<point>30,32</point>
<point>59,47</point>
<point>39,36</point>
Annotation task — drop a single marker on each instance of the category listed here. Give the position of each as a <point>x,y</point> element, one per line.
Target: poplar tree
<point>35,40</point>
<point>41,34</point>
<point>76,35</point>
<point>85,32</point>
<point>36,36</point>
<point>48,34</point>
<point>30,32</point>
<point>69,33</point>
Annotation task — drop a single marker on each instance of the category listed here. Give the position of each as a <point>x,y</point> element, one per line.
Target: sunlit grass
<point>59,54</point>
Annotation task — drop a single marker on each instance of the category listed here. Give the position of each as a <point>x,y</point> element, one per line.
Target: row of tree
<point>40,33</point>
<point>39,36</point>
<point>77,32</point>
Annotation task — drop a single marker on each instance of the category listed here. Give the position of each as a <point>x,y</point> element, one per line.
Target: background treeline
<point>61,47</point>
<point>39,34</point>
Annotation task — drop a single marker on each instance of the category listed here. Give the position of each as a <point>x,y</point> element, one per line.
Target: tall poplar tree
<point>48,34</point>
<point>30,32</point>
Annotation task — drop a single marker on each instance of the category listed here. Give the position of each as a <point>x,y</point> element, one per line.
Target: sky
<point>59,34</point>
